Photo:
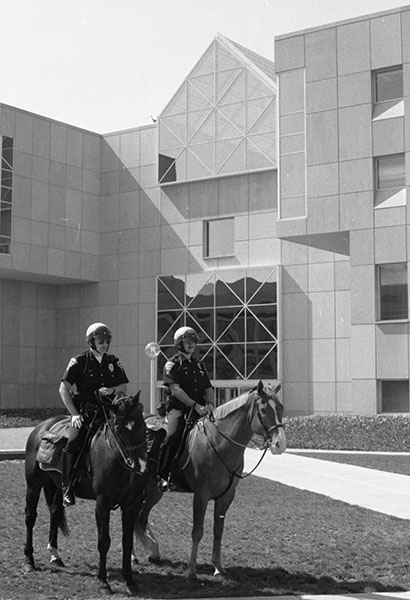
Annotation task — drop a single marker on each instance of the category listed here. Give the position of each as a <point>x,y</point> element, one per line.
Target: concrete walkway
<point>380,491</point>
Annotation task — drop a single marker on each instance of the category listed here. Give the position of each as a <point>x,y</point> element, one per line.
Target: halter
<point>233,474</point>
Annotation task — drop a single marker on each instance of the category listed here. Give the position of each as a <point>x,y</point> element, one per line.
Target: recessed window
<point>394,396</point>
<point>219,238</point>
<point>390,172</point>
<point>388,84</point>
<point>393,301</point>
<point>6,193</point>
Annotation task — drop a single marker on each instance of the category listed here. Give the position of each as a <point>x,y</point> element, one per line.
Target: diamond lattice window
<point>235,315</point>
<point>221,121</point>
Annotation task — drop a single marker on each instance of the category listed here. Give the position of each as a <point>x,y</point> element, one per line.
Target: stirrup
<point>163,485</point>
<point>68,498</point>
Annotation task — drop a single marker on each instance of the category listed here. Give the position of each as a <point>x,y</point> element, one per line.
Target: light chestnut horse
<point>211,464</point>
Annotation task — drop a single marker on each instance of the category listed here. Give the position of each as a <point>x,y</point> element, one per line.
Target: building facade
<point>266,207</point>
<point>344,143</point>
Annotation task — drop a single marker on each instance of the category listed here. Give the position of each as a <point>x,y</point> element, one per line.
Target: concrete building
<point>343,219</point>
<point>300,277</point>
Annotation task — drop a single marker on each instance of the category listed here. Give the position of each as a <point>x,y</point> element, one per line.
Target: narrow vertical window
<point>6,193</point>
<point>219,238</point>
<point>393,295</point>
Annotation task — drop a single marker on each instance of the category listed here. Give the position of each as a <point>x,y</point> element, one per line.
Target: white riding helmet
<point>100,331</point>
<point>182,333</point>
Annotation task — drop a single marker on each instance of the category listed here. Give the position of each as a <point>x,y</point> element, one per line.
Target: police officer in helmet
<point>89,372</point>
<point>189,387</point>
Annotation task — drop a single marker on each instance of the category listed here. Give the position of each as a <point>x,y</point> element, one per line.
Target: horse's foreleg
<point>221,506</point>
<point>200,505</point>
<point>128,515</point>
<point>102,517</point>
<point>32,496</point>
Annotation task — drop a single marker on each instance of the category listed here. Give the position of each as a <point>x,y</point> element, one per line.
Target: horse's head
<point>267,417</point>
<point>128,412</point>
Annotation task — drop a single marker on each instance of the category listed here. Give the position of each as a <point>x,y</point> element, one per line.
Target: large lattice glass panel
<point>235,314</point>
<point>221,121</point>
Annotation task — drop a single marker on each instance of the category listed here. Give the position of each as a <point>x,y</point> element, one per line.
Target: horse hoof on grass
<point>56,563</point>
<point>28,567</point>
<point>155,560</point>
<point>105,589</point>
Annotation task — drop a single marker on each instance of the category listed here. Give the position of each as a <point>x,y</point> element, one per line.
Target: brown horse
<point>115,475</point>
<point>212,462</point>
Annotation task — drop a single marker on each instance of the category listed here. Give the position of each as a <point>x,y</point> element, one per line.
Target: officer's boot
<point>164,463</point>
<point>67,478</point>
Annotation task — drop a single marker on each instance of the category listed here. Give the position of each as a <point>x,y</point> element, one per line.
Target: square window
<point>388,84</point>
<point>390,172</point>
<point>219,238</point>
<point>393,301</point>
<point>394,396</point>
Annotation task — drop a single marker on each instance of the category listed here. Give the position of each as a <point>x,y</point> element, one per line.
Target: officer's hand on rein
<point>201,410</point>
<point>76,421</point>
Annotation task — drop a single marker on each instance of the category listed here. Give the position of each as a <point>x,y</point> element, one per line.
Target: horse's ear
<point>260,386</point>
<point>277,388</point>
<point>137,396</point>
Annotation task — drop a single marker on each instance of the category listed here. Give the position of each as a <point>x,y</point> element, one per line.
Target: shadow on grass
<point>167,581</point>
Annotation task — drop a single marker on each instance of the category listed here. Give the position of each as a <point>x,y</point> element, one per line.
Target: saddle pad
<point>51,445</point>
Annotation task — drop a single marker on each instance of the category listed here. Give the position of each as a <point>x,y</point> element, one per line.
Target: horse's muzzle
<point>278,442</point>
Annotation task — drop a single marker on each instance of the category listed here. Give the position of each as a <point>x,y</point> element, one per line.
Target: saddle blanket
<point>51,446</point>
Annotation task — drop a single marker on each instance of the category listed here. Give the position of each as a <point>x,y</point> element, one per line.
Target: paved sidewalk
<point>380,491</point>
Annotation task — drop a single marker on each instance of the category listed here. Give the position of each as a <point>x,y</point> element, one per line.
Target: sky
<point>110,65</point>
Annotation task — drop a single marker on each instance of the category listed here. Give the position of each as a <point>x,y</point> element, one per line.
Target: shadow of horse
<point>166,580</point>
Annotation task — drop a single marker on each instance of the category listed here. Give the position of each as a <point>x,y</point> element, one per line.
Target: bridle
<point>267,439</point>
<point>123,450</point>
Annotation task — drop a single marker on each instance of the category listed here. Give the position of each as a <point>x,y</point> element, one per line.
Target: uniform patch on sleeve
<point>168,367</point>
<point>72,362</point>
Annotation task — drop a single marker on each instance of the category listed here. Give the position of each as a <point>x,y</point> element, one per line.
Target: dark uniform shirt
<point>89,375</point>
<point>190,375</point>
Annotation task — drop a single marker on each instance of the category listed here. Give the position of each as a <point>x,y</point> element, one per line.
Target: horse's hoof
<point>105,589</point>
<point>28,567</point>
<point>56,563</point>
<point>190,575</point>
<point>132,588</point>
<point>155,560</point>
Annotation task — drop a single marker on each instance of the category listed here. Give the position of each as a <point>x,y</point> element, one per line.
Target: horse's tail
<point>53,496</point>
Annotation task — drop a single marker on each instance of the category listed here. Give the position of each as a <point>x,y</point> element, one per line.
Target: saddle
<point>156,432</point>
<point>52,443</point>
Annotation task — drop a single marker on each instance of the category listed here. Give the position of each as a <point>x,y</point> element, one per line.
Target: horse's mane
<point>229,407</point>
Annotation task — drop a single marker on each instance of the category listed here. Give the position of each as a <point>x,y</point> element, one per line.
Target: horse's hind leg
<point>54,500</point>
<point>221,506</point>
<point>144,534</point>
<point>32,497</point>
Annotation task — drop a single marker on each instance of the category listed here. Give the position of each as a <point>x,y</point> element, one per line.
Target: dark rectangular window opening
<point>393,293</point>
<point>394,395</point>
<point>388,84</point>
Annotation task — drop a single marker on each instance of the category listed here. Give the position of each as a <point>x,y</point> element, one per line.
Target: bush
<point>383,433</point>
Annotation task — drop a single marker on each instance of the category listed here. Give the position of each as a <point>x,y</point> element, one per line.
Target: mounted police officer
<point>189,387</point>
<point>94,370</point>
